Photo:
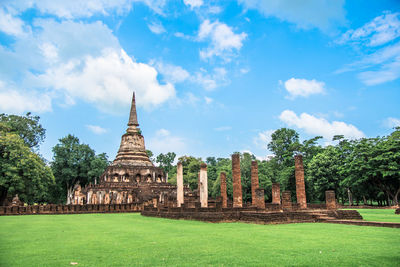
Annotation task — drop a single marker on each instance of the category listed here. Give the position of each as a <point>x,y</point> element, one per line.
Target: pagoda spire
<point>133,116</point>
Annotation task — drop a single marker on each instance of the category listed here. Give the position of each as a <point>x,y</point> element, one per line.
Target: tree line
<point>363,171</point>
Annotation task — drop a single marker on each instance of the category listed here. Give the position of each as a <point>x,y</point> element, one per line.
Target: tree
<point>150,155</point>
<point>284,143</point>
<point>75,163</point>
<point>27,127</point>
<point>191,168</point>
<point>165,161</point>
<point>22,171</point>
<point>324,170</point>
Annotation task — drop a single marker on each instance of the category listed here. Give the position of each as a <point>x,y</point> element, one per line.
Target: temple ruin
<point>131,177</point>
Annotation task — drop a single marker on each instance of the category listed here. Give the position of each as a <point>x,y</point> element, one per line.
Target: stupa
<point>131,177</point>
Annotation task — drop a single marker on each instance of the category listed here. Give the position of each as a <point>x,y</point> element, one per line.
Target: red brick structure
<point>330,200</point>
<point>222,179</point>
<point>237,182</point>
<point>254,182</point>
<point>131,178</point>
<point>300,186</point>
<point>276,193</point>
<point>286,200</point>
<point>259,201</point>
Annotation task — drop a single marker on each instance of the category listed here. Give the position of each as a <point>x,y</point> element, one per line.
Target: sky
<point>211,77</point>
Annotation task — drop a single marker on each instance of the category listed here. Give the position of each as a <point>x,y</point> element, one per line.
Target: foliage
<point>165,161</point>
<point>150,155</point>
<point>22,171</point>
<point>74,163</point>
<point>27,127</point>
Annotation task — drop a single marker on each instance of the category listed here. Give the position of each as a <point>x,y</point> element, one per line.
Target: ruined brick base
<point>70,209</point>
<point>397,211</point>
<point>252,215</point>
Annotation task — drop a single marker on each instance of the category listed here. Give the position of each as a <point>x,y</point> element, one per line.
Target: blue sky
<point>211,77</point>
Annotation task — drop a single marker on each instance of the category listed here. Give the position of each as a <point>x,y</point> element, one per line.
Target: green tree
<point>165,161</point>
<point>22,171</point>
<point>150,155</point>
<point>27,127</point>
<point>191,168</point>
<point>324,170</point>
<point>74,163</point>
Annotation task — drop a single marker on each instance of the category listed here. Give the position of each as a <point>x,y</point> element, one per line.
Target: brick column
<point>203,186</point>
<point>330,200</point>
<point>222,179</point>
<point>179,184</point>
<point>300,186</point>
<point>259,200</point>
<point>254,182</point>
<point>237,183</point>
<point>276,193</point>
<point>286,200</point>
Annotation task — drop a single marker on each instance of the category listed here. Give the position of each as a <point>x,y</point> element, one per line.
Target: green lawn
<point>130,239</point>
<point>379,215</point>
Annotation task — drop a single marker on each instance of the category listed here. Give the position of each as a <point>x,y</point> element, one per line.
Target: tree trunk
<point>69,195</point>
<point>365,200</point>
<point>396,198</point>
<point>3,195</point>
<point>350,197</point>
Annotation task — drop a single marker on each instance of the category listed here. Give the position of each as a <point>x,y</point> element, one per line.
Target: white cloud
<point>320,126</point>
<point>108,81</point>
<point>19,102</point>
<point>156,28</point>
<point>79,60</point>
<point>391,122</point>
<point>303,87</point>
<point>96,129</point>
<point>224,42</point>
<point>171,73</point>
<point>11,25</point>
<point>263,139</point>
<point>306,14</point>
<point>211,81</point>
<point>379,31</point>
<point>223,128</point>
<point>381,62</point>
<point>73,9</point>
<point>193,3</point>
<point>388,72</point>
<point>244,70</point>
<point>163,141</point>
<point>208,100</point>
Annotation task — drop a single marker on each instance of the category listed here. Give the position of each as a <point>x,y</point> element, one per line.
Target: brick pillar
<point>276,193</point>
<point>254,182</point>
<point>222,179</point>
<point>203,186</point>
<point>179,184</point>
<point>300,186</point>
<point>330,200</point>
<point>237,183</point>
<point>286,200</point>
<point>259,200</point>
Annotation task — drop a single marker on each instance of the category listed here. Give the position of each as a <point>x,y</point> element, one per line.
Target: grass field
<point>379,215</point>
<point>131,239</point>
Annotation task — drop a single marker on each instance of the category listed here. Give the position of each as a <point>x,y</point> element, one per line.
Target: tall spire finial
<point>133,116</point>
